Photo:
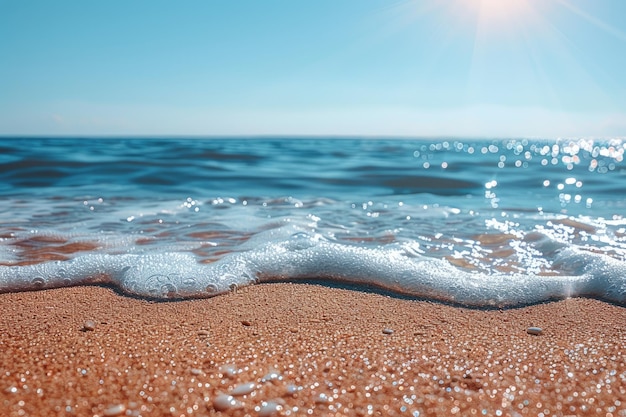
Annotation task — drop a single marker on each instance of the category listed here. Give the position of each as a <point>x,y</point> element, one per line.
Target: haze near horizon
<point>470,68</point>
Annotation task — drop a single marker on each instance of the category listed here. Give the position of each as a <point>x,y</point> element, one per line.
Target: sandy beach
<point>304,349</point>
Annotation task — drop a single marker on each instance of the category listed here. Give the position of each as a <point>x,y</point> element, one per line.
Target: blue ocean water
<point>474,222</point>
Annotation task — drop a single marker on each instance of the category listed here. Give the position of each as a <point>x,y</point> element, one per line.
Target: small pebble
<point>225,402</point>
<point>291,390</point>
<point>322,399</point>
<point>243,389</point>
<point>89,325</point>
<point>229,370</point>
<point>269,408</point>
<point>272,375</point>
<point>196,371</point>
<point>387,331</point>
<point>246,323</point>
<point>114,410</point>
<point>534,331</point>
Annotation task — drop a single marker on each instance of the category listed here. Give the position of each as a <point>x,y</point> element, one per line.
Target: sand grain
<point>326,349</point>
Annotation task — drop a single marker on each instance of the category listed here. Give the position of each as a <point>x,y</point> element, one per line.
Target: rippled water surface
<point>448,218</point>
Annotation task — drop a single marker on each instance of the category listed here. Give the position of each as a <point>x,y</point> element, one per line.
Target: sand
<point>303,349</point>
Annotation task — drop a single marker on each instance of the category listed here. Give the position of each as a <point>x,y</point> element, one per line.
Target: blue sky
<point>546,68</point>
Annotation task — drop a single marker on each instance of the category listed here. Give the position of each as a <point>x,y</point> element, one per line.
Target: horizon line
<point>303,136</point>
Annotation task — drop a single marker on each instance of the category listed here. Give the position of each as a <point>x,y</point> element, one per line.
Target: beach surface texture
<point>304,349</point>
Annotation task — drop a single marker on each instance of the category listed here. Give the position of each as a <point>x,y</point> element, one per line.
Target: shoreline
<point>305,349</point>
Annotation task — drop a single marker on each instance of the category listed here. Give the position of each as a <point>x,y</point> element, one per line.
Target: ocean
<point>485,223</point>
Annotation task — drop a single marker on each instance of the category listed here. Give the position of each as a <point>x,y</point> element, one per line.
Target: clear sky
<point>545,68</point>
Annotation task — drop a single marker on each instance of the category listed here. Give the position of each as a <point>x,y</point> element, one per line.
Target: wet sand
<point>301,349</point>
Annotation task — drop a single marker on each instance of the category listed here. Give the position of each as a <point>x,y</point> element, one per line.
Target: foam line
<point>179,275</point>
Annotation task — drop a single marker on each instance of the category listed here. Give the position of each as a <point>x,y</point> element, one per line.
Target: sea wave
<point>474,222</point>
<point>397,268</point>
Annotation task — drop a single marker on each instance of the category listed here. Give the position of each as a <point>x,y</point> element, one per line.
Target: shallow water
<point>477,222</point>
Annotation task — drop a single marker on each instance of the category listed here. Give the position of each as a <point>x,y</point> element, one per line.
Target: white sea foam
<point>302,256</point>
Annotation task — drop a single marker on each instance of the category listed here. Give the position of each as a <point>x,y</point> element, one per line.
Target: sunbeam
<point>594,20</point>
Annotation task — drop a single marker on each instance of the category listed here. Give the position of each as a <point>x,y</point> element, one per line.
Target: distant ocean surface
<point>473,222</point>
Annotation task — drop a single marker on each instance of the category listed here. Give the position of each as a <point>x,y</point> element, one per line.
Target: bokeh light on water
<point>483,205</point>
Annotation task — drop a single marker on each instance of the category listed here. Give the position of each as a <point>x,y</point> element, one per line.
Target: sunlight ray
<point>595,21</point>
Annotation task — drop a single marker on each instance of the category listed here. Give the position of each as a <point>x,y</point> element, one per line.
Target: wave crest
<point>175,275</point>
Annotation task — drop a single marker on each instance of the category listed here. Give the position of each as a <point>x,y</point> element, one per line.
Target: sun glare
<point>502,9</point>
<point>499,13</point>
